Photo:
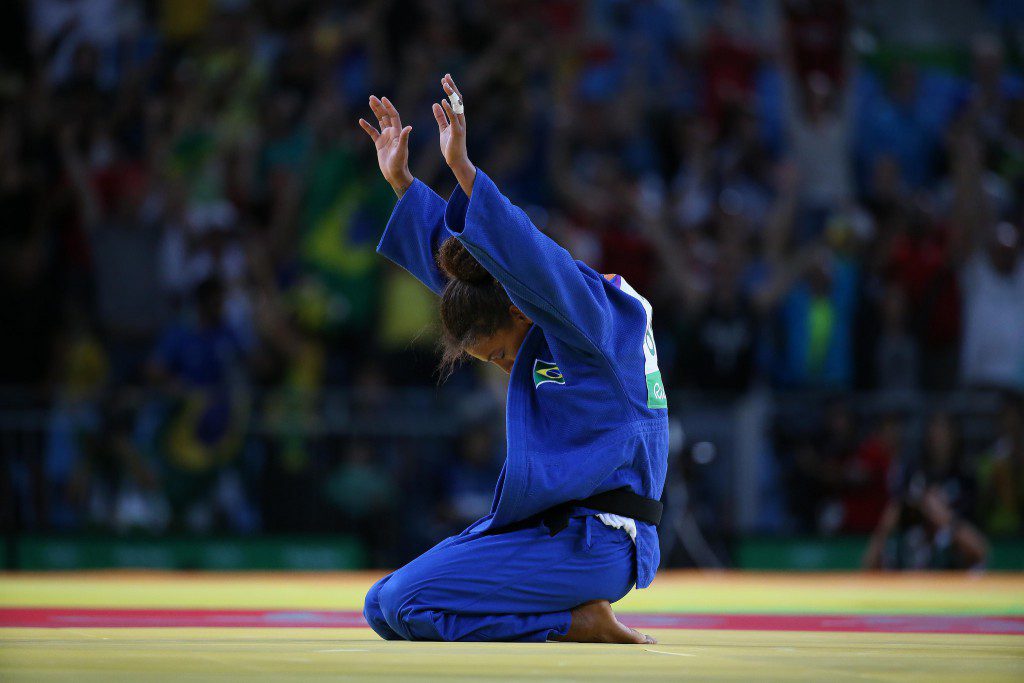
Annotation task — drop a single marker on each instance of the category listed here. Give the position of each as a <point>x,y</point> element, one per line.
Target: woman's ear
<point>518,315</point>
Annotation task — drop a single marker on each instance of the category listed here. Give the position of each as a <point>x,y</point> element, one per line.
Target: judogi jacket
<point>586,410</point>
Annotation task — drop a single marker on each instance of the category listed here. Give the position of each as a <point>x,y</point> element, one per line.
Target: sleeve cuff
<point>455,211</point>
<point>459,204</point>
<point>406,203</point>
<point>417,188</point>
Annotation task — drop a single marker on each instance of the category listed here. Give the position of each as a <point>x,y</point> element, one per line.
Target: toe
<point>642,638</point>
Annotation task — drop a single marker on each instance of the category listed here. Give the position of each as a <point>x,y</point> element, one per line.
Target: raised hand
<point>451,128</point>
<point>392,143</point>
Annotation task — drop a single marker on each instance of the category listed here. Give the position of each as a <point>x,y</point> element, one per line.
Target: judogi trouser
<point>512,586</point>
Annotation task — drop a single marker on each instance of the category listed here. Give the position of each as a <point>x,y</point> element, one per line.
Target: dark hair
<point>473,304</point>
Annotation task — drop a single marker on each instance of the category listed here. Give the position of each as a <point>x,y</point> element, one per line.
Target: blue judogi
<point>586,413</point>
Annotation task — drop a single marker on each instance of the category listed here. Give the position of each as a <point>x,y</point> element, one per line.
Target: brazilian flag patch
<point>546,371</point>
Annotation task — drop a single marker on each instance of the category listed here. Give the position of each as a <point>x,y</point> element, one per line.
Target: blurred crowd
<point>190,216</point>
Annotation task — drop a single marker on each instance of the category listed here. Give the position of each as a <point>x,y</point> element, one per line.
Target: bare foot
<point>594,622</point>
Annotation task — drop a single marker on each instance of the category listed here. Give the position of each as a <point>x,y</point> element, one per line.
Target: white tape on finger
<point>456,103</point>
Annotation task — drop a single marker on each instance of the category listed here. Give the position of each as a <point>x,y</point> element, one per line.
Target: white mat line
<point>674,654</point>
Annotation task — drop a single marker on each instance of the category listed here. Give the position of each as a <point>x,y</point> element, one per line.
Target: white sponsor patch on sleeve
<point>656,397</point>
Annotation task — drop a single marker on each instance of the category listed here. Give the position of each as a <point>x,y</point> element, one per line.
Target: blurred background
<point>204,364</point>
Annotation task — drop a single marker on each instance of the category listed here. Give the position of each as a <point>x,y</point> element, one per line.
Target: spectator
<point>896,360</point>
<point>922,269</point>
<point>943,465</point>
<point>993,285</point>
<point>925,526</point>
<point>726,332</point>
<point>361,490</point>
<point>818,114</point>
<point>198,365</point>
<point>125,247</point>
<point>897,126</point>
<point>1001,474</point>
<point>865,476</point>
<point>818,473</point>
<point>816,317</point>
<point>922,532</point>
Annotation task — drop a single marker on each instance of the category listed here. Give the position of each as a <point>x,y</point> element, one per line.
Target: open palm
<point>392,143</point>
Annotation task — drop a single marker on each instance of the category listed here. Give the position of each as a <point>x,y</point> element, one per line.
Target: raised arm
<point>451,128</point>
<point>416,227</point>
<point>568,299</point>
<point>392,143</point>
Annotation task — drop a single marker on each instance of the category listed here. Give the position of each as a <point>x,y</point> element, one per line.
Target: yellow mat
<point>679,591</point>
<point>276,654</point>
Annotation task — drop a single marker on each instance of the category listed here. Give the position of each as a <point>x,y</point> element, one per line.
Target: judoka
<point>572,527</point>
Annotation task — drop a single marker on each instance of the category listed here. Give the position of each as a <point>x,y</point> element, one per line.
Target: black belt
<point>622,502</point>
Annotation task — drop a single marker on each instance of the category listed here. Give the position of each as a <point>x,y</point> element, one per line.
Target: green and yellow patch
<point>546,371</point>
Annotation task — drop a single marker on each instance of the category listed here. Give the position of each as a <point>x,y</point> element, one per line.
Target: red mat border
<point>58,617</point>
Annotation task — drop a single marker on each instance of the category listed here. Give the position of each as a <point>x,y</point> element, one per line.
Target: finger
<point>378,110</point>
<point>370,130</point>
<point>449,87</point>
<point>442,122</point>
<point>403,138</point>
<point>448,110</point>
<point>396,120</point>
<point>451,84</point>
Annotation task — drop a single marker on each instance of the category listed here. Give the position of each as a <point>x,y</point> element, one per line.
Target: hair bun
<point>457,263</point>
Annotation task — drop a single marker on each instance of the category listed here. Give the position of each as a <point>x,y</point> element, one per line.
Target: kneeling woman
<point>572,525</point>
